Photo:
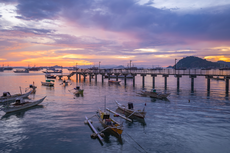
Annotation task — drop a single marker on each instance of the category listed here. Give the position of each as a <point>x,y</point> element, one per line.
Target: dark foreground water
<point>171,126</point>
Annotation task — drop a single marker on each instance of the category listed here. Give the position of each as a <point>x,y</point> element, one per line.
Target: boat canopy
<point>106,115</point>
<point>6,94</point>
<point>130,105</point>
<point>19,101</point>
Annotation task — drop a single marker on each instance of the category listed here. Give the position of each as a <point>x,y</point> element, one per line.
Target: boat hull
<point>155,94</point>
<point>49,84</point>
<point>114,127</point>
<point>138,113</point>
<point>25,106</point>
<point>13,97</point>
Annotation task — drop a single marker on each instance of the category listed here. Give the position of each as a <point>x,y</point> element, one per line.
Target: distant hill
<point>196,62</point>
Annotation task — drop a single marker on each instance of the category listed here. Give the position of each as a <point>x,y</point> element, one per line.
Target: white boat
<point>50,84</point>
<point>22,71</point>
<point>130,111</point>
<point>6,97</point>
<point>21,104</point>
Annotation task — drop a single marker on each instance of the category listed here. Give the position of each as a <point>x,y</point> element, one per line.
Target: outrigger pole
<point>94,130</point>
<point>119,115</point>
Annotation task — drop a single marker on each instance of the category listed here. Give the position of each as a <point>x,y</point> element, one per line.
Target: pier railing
<point>198,72</point>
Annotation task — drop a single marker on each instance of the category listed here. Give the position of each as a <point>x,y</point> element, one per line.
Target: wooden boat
<point>49,76</point>
<point>22,71</point>
<point>78,90</point>
<point>115,82</point>
<point>48,83</point>
<point>109,123</point>
<point>130,111</point>
<point>7,97</point>
<point>154,94</point>
<point>20,104</point>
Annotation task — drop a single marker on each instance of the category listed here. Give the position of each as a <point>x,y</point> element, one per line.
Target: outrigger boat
<point>7,97</point>
<point>130,111</point>
<point>108,123</point>
<point>21,104</point>
<point>154,94</point>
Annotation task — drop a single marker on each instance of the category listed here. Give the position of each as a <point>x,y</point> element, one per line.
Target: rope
<point>136,142</point>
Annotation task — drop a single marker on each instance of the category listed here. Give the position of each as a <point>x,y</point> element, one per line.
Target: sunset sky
<point>148,32</point>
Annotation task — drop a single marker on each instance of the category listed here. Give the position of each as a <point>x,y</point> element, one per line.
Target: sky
<point>148,33</point>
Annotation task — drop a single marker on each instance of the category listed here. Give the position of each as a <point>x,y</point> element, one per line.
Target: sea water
<point>186,122</point>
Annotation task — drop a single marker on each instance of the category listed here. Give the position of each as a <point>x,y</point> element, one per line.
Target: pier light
<point>175,64</point>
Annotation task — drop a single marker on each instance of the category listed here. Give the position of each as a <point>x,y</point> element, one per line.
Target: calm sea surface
<point>171,126</point>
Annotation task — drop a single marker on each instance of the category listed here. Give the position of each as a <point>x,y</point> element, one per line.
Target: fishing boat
<point>109,123</point>
<point>49,76</point>
<point>78,90</point>
<point>130,111</point>
<point>34,68</point>
<point>52,71</point>
<point>20,104</point>
<point>154,94</point>
<point>48,83</point>
<point>113,81</point>
<point>7,97</point>
<point>22,71</point>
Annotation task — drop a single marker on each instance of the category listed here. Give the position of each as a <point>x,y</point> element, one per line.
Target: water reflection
<point>20,114</point>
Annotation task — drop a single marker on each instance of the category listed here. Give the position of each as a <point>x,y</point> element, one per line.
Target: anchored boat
<point>154,94</point>
<point>6,97</point>
<point>130,111</point>
<point>115,82</point>
<point>48,83</point>
<point>20,104</point>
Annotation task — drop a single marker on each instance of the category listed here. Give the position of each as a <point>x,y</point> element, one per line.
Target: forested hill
<point>196,62</point>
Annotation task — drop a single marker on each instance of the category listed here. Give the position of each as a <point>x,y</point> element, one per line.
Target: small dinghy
<point>20,104</point>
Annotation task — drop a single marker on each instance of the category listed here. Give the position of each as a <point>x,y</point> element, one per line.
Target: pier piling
<point>227,84</point>
<point>143,80</point>
<point>133,79</point>
<point>192,82</point>
<point>165,76</point>
<point>153,75</point>
<point>178,76</point>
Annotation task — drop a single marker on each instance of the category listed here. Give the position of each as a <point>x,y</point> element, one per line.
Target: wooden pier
<point>192,73</point>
